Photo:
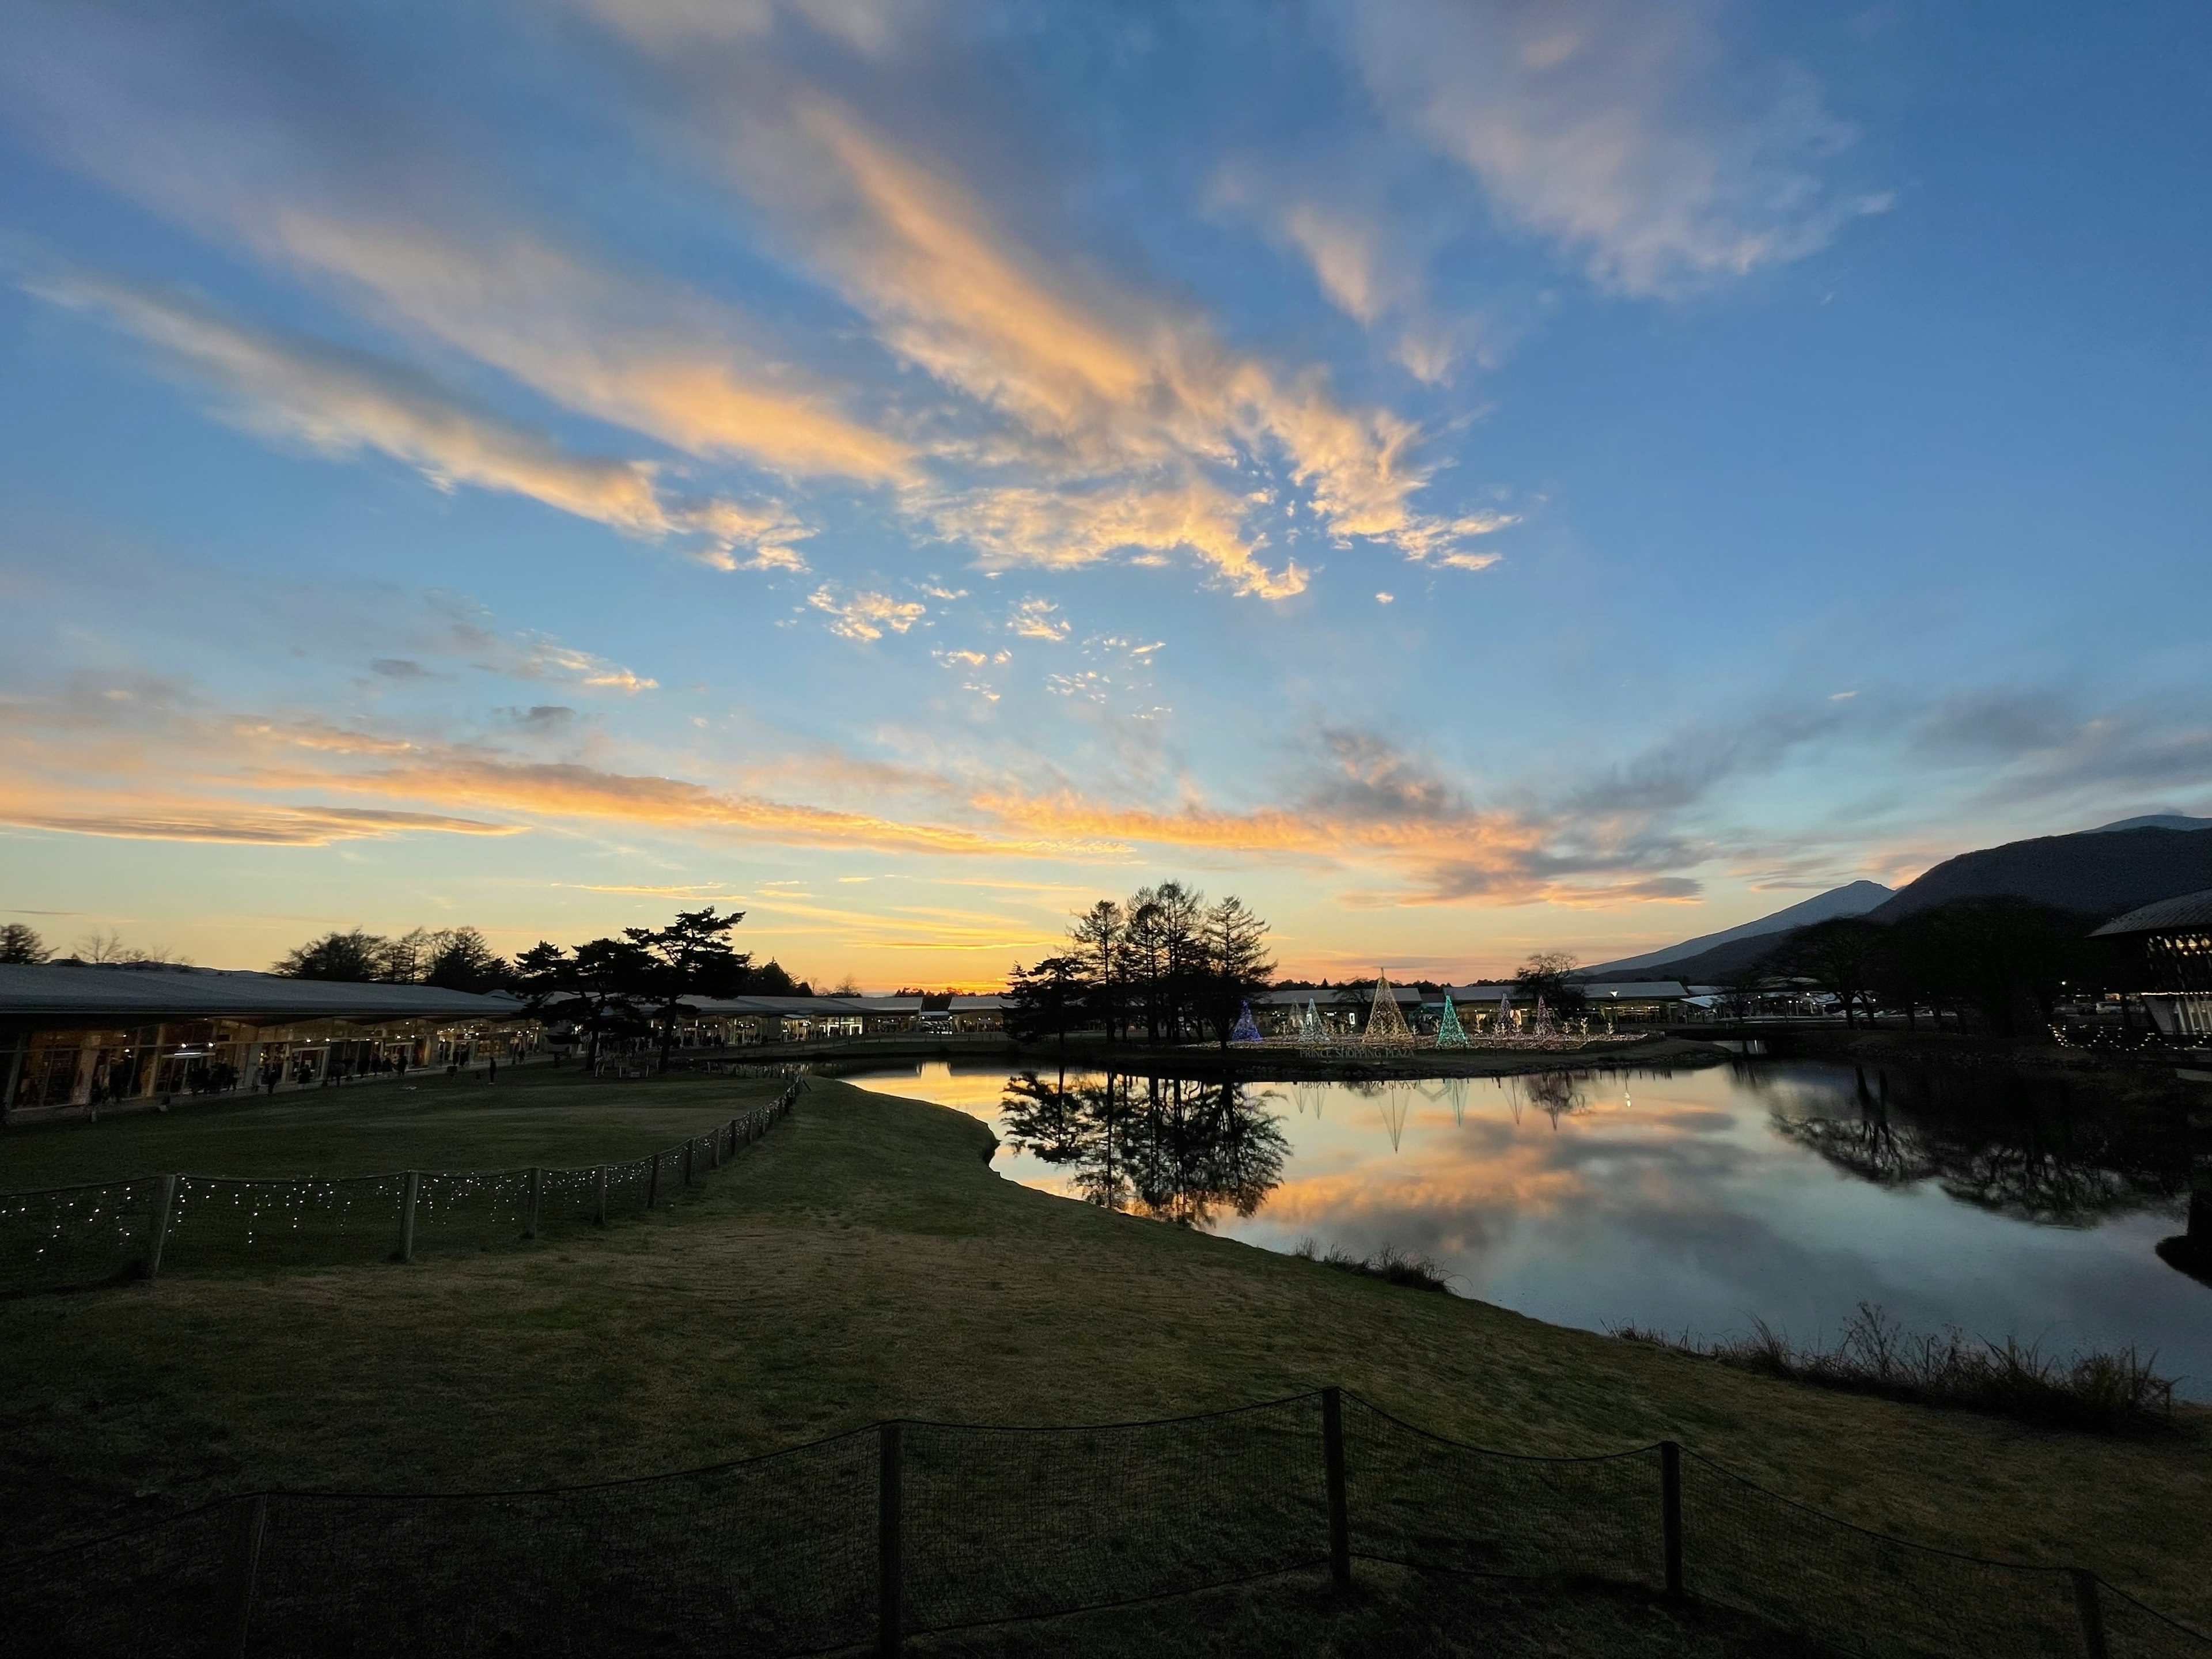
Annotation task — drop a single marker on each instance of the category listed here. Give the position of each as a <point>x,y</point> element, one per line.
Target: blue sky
<point>1468,479</point>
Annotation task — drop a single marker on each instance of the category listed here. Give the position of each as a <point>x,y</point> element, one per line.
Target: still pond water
<point>1694,1200</point>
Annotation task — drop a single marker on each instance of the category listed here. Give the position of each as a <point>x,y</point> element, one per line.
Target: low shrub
<point>1877,1355</point>
<point>1390,1263</point>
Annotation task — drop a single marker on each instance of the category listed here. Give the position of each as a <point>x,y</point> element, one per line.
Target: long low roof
<point>2190,910</point>
<point>1636,990</point>
<point>60,995</point>
<point>728,1006</point>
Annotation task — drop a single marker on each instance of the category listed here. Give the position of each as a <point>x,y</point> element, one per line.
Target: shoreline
<point>1283,1066</point>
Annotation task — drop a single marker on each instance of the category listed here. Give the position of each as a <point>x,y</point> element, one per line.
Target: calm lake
<point>1693,1200</point>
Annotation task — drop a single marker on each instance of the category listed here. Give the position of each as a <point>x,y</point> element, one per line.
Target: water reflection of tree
<point>1168,1147</point>
<point>2038,1151</point>
<point>1555,1094</point>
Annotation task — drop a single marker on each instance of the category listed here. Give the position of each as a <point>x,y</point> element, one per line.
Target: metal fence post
<point>164,1207</point>
<point>652,1183</point>
<point>537,1196</point>
<point>1339,1515</point>
<point>1670,1512</point>
<point>889,1602</point>
<point>413,1190</point>
<point>2091,1611</point>
<point>599,1197</point>
<point>246,1568</point>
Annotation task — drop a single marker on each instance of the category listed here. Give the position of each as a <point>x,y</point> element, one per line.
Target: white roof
<point>63,995</point>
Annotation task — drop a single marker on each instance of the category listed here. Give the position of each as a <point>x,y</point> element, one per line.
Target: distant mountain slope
<point>2099,873</point>
<point>2154,821</point>
<point>1713,966</point>
<point>1855,899</point>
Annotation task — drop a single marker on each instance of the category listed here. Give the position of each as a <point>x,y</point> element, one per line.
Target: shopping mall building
<point>81,1035</point>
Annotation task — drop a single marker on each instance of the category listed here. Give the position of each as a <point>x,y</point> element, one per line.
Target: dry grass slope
<point>862,1262</point>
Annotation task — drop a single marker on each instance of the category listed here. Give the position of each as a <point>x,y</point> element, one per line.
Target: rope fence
<point>909,1528</point>
<point>72,1237</point>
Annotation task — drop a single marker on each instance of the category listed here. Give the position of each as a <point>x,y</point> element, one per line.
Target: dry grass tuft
<point>1877,1355</point>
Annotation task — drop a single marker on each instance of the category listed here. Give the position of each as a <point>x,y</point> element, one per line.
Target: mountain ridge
<point>1852,899</point>
<point>2095,873</point>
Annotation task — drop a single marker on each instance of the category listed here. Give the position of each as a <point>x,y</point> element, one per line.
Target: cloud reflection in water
<point>1694,1200</point>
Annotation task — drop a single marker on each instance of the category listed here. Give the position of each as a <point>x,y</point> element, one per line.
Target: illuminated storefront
<point>83,1036</point>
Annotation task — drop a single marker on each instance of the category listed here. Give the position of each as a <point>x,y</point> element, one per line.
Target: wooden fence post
<point>165,1207</point>
<point>413,1190</point>
<point>599,1197</point>
<point>246,1568</point>
<point>688,1145</point>
<point>1340,1513</point>
<point>2090,1611</point>
<point>1670,1512</point>
<point>537,1197</point>
<point>890,1600</point>
<point>652,1183</point>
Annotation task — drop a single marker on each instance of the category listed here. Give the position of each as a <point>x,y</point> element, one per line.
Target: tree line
<point>1163,959</point>
<point>21,943</point>
<point>450,958</point>
<point>2005,961</point>
<point>626,983</point>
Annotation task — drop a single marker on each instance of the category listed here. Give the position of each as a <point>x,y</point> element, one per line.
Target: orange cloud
<point>134,819</point>
<point>1121,408</point>
<point>656,359</point>
<point>156,766</point>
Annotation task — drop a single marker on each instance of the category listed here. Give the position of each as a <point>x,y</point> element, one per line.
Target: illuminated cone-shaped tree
<point>1386,1026</point>
<point>1247,1030</point>
<point>1450,1034</point>
<point>1543,1019</point>
<point>1310,1029</point>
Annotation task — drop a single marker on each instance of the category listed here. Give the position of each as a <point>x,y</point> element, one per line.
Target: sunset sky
<point>1467,478</point>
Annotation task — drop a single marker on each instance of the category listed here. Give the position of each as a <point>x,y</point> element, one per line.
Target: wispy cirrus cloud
<point>340,402</point>
<point>2039,745</point>
<point>1615,129</point>
<point>1122,412</point>
<point>158,763</point>
<point>641,354</point>
<point>1091,420</point>
<point>269,826</point>
<point>209,125</point>
<point>454,628</point>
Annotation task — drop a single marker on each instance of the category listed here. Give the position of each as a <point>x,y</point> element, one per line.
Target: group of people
<point>304,1068</point>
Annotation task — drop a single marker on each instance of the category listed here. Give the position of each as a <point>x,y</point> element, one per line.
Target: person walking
<point>494,1077</point>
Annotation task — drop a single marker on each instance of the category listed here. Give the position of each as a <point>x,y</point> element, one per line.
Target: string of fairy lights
<point>85,1234</point>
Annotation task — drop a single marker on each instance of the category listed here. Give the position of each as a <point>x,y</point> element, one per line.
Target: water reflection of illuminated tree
<point>1448,1091</point>
<point>1392,1101</point>
<point>2039,1154</point>
<point>1179,1150</point>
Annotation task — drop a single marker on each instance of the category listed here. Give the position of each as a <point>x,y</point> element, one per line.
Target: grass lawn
<point>533,1114</point>
<point>863,1262</point>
